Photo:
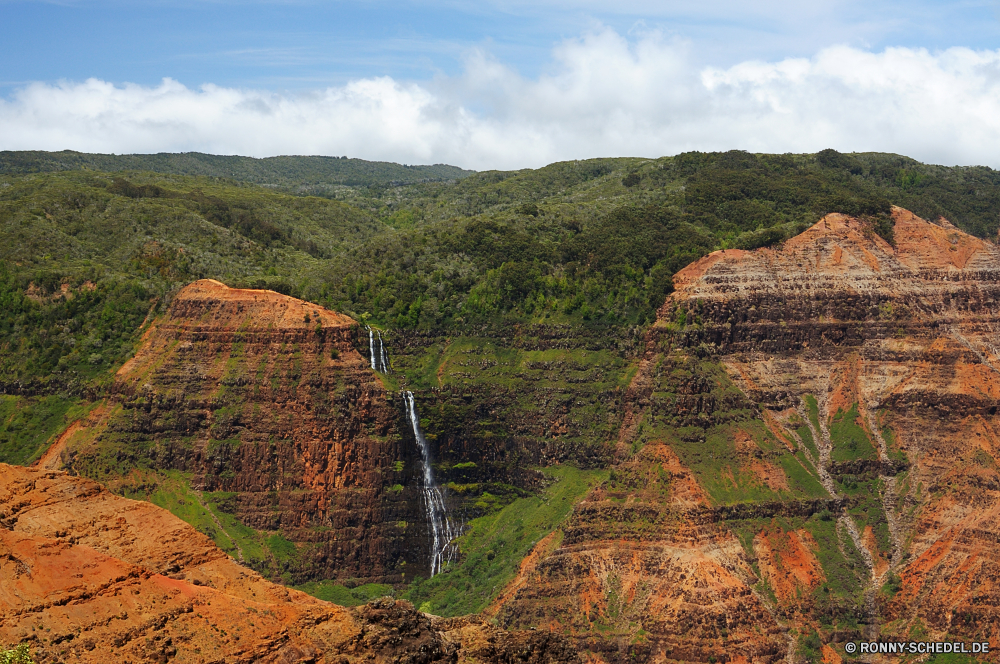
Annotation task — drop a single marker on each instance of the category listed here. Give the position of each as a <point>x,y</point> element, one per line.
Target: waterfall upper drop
<point>379,362</point>
<point>443,533</point>
<point>383,355</point>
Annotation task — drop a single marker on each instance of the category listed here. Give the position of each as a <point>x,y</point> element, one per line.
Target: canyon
<point>265,402</point>
<point>800,451</point>
<point>809,446</point>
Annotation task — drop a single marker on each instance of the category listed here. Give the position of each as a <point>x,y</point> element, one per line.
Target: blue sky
<point>468,63</point>
<point>303,44</point>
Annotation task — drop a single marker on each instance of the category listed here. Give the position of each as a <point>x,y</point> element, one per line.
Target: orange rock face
<point>811,442</point>
<point>907,337</point>
<point>266,396</point>
<point>86,576</point>
<point>644,573</point>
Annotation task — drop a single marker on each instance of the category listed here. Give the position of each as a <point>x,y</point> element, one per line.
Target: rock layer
<point>907,336</point>
<point>267,396</point>
<point>827,411</point>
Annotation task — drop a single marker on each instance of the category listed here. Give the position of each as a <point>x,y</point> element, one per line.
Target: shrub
<point>17,655</point>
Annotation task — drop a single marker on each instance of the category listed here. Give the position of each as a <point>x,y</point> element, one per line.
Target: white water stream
<point>380,363</point>
<point>383,355</point>
<point>443,531</point>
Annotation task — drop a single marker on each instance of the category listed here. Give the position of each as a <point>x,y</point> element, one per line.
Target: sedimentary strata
<point>267,396</point>
<point>833,404</point>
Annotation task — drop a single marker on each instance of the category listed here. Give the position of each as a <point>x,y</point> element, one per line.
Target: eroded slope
<point>809,446</point>
<point>87,576</point>
<point>264,405</point>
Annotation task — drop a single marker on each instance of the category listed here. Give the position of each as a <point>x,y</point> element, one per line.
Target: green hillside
<point>302,175</point>
<point>523,294</point>
<point>590,244</point>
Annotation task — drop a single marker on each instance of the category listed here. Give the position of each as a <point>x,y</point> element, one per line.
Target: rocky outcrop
<point>821,421</point>
<point>87,576</point>
<point>809,444</point>
<point>903,341</point>
<point>267,397</point>
<point>506,397</point>
<point>634,580</point>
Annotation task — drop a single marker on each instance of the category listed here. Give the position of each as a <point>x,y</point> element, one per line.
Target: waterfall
<point>371,347</point>
<point>383,355</point>
<point>380,364</point>
<point>443,532</point>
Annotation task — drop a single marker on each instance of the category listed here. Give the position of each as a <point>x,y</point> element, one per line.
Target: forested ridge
<point>86,255</point>
<point>301,175</point>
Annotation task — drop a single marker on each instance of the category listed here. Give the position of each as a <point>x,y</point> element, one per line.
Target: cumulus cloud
<point>603,95</point>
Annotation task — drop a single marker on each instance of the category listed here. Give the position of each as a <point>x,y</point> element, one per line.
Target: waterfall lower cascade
<point>380,362</point>
<point>443,531</point>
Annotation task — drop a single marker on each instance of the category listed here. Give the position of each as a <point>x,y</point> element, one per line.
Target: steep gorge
<point>86,576</point>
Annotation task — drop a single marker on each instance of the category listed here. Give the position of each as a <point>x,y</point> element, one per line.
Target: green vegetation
<point>300,175</point>
<point>810,646</point>
<point>85,255</point>
<point>28,425</point>
<point>458,377</point>
<point>211,514</point>
<point>850,441</point>
<point>519,297</point>
<point>893,584</point>
<point>330,591</point>
<point>841,593</point>
<point>707,442</point>
<point>842,565</point>
<point>868,509</point>
<point>17,655</point>
<point>813,407</point>
<point>495,545</point>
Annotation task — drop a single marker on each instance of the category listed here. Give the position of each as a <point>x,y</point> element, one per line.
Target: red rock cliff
<point>810,443</point>
<point>266,396</point>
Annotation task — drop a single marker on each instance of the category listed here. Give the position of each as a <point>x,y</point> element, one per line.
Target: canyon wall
<point>264,403</point>
<point>802,448</point>
<point>809,446</point>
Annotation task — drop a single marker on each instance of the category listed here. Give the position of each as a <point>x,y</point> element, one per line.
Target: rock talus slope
<point>810,444</point>
<point>87,576</point>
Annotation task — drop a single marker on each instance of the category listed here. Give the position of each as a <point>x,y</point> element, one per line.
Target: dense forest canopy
<point>90,245</point>
<point>301,175</point>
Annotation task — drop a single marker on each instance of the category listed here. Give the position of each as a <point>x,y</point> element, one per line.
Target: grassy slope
<point>568,243</point>
<point>266,552</point>
<point>28,425</point>
<point>494,545</point>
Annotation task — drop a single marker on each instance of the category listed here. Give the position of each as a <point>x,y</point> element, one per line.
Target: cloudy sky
<point>502,83</point>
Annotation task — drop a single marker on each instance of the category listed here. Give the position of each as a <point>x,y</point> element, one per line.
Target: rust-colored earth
<point>838,475</point>
<point>87,576</point>
<point>266,396</point>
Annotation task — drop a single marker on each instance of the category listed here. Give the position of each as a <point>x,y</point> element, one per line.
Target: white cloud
<point>602,96</point>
